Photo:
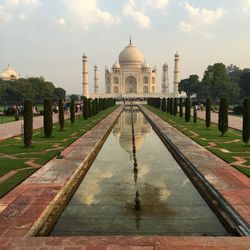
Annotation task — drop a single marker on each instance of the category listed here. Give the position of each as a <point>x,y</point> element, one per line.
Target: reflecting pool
<point>151,197</point>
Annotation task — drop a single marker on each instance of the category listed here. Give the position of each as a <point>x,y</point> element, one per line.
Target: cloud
<point>21,3</point>
<point>22,16</point>
<point>199,17</point>
<point>60,21</point>
<point>157,4</point>
<point>246,6</point>
<point>87,12</point>
<point>133,10</point>
<point>5,16</point>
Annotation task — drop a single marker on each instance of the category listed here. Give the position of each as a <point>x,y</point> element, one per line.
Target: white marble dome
<point>131,55</point>
<point>9,74</point>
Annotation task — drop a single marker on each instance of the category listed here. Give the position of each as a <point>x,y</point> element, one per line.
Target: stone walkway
<point>11,129</point>
<point>25,208</point>
<point>233,121</point>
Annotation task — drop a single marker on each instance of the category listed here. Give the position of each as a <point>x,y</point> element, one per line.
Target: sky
<point>48,38</point>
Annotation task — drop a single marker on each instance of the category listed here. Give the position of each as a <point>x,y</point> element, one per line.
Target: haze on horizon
<point>47,38</point>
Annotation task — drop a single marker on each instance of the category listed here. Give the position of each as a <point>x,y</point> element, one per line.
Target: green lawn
<point>231,143</point>
<point>6,119</point>
<point>42,150</point>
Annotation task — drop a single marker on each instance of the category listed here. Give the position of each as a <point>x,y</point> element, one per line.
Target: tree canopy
<point>35,89</point>
<point>189,85</point>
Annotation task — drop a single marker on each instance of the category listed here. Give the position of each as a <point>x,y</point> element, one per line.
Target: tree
<point>61,114</point>
<point>72,111</point>
<point>189,85</point>
<point>246,121</point>
<point>93,107</point>
<point>74,97</point>
<point>195,115</point>
<point>223,116</point>
<point>187,109</point>
<point>59,93</point>
<point>47,118</point>
<point>245,84</point>
<point>28,123</point>
<point>175,106</point>
<point>208,113</point>
<point>217,81</point>
<point>171,106</point>
<point>163,105</point>
<point>181,106</point>
<point>85,108</point>
<point>90,107</point>
<point>168,105</point>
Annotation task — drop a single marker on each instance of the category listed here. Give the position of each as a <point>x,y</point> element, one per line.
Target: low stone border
<point>33,207</point>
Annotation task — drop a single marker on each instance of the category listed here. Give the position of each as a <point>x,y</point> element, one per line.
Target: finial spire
<point>130,40</point>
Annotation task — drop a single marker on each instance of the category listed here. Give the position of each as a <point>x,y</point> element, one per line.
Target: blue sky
<point>47,38</point>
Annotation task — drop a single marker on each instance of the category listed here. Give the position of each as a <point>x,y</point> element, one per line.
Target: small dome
<point>145,65</point>
<point>116,65</point>
<point>176,54</point>
<point>165,66</point>
<point>4,76</point>
<point>130,55</point>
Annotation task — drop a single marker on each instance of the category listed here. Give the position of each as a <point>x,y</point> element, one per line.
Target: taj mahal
<point>131,76</point>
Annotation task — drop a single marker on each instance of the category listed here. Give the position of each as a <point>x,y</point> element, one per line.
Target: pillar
<point>96,80</point>
<point>176,75</point>
<point>165,82</point>
<point>85,81</point>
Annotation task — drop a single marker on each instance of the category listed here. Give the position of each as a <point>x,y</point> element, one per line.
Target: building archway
<point>116,90</point>
<point>131,85</point>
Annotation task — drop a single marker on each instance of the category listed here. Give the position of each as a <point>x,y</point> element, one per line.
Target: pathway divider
<point>216,180</point>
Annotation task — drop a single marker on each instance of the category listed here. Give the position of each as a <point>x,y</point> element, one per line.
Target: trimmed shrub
<point>208,113</point>
<point>175,106</point>
<point>171,106</point>
<point>168,105</point>
<point>28,123</point>
<point>246,121</point>
<point>47,118</point>
<point>89,107</point>
<point>61,114</point>
<point>181,106</point>
<point>72,111</point>
<point>223,116</point>
<point>93,107</point>
<point>187,109</point>
<point>195,114</point>
<point>163,105</point>
<point>85,108</point>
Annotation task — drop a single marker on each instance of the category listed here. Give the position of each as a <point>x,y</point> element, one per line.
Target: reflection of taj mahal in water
<point>122,130</point>
<point>131,76</point>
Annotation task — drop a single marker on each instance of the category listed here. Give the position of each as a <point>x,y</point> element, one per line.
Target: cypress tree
<point>208,113</point>
<point>96,106</point>
<point>187,109</point>
<point>72,110</point>
<point>163,105</point>
<point>171,106</point>
<point>93,108</point>
<point>47,118</point>
<point>195,114</point>
<point>85,108</point>
<point>89,107</point>
<point>168,105</point>
<point>181,107</point>
<point>27,123</point>
<point>61,114</point>
<point>246,121</point>
<point>223,116</point>
<point>175,106</point>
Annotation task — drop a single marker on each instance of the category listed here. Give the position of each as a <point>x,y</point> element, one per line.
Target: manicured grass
<point>42,150</point>
<point>231,141</point>
<point>6,119</point>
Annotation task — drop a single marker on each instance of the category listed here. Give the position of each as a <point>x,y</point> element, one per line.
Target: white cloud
<point>87,12</point>
<point>137,13</point>
<point>16,3</point>
<point>199,17</point>
<point>246,5</point>
<point>5,16</point>
<point>60,21</point>
<point>22,16</point>
<point>157,4</point>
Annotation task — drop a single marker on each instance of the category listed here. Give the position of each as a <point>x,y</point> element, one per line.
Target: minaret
<point>176,75</point>
<point>85,81</point>
<point>165,82</point>
<point>96,80</point>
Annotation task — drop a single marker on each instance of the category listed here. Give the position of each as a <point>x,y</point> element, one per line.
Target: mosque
<point>131,76</point>
<point>9,74</point>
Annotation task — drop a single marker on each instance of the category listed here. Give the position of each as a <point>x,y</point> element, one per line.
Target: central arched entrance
<point>131,85</point>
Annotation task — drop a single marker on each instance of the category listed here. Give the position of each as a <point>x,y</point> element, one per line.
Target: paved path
<point>11,129</point>
<point>233,121</point>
